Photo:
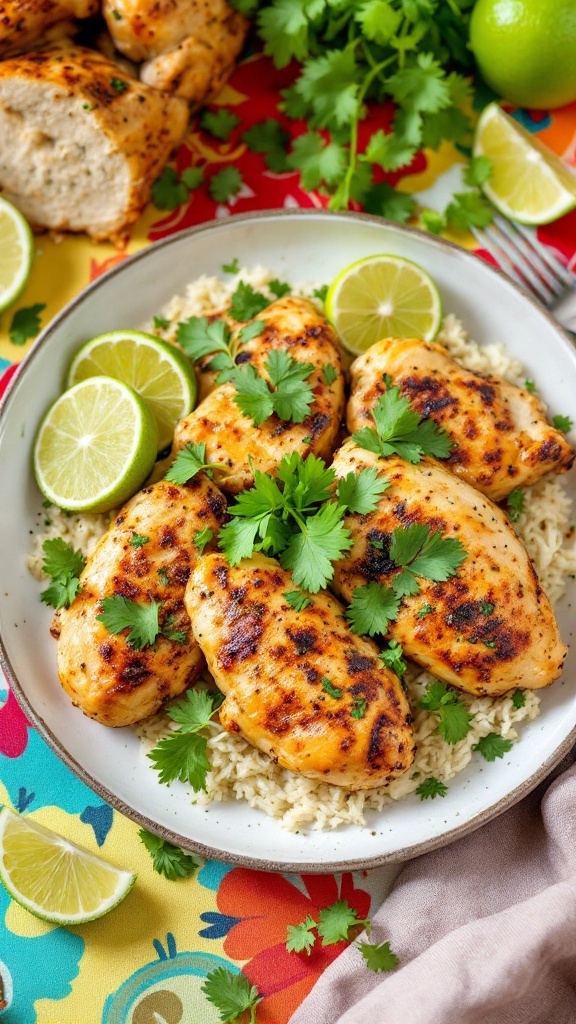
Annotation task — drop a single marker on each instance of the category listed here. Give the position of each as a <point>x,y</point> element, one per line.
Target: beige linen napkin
<point>485,929</point>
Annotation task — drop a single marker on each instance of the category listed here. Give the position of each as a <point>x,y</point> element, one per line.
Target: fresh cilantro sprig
<point>454,719</point>
<point>25,323</point>
<point>492,746</point>
<point>190,461</point>
<point>168,860</point>
<point>411,52</point>
<point>418,552</point>
<point>515,503</point>
<point>232,995</point>
<point>63,564</point>
<point>333,925</point>
<point>400,430</point>
<point>219,123</point>
<point>170,190</point>
<point>289,394</point>
<point>294,518</point>
<point>393,658</point>
<point>563,423</point>
<point>182,754</point>
<point>142,621</point>
<point>431,788</point>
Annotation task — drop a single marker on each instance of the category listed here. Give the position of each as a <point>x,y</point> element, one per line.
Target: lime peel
<point>54,879</point>
<point>16,253</point>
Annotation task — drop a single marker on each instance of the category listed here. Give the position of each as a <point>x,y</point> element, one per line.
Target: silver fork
<point>530,264</point>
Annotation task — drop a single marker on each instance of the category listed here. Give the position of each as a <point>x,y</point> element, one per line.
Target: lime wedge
<point>16,253</point>
<point>383,297</point>
<point>95,446</point>
<point>53,878</point>
<point>158,371</point>
<point>529,183</point>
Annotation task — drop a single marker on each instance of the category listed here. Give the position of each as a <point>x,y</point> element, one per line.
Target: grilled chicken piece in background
<point>486,630</point>
<point>501,435</point>
<point>299,685</point>
<point>232,439</point>
<point>24,24</point>
<point>189,46</point>
<point>107,678</point>
<point>80,143</point>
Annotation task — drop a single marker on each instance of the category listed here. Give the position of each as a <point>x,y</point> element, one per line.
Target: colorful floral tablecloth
<point>145,962</point>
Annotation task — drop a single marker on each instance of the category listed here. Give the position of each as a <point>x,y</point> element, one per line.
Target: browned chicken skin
<point>24,23</point>
<point>501,435</point>
<point>486,630</point>
<point>274,664</point>
<point>106,677</point>
<point>232,439</point>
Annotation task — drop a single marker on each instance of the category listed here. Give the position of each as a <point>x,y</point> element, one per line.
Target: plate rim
<point>34,717</point>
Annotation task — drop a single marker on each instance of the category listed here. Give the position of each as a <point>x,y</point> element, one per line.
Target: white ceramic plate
<point>297,246</point>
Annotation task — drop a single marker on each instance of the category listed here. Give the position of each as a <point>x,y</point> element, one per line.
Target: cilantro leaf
<point>454,718</point>
<point>182,756</point>
<point>329,374</point>
<point>193,177</point>
<point>492,746</point>
<point>189,461</point>
<point>119,613</point>
<point>168,192</point>
<point>279,288</point>
<point>321,292</point>
<point>518,698</point>
<point>297,600</point>
<point>300,937</point>
<point>202,538</point>
<point>219,123</point>
<point>379,20</point>
<point>233,267</point>
<point>371,609</point>
<point>359,705</point>
<point>137,540</point>
<point>393,658</point>
<point>246,302</point>
<point>61,592</point>
<point>421,85</point>
<point>317,160</point>
<point>478,171</point>
<point>386,201</point>
<point>330,85</point>
<point>25,323</point>
<point>563,423</point>
<point>200,337</point>
<point>401,431</point>
<point>60,558</point>
<point>161,323</point>
<point>427,554</point>
<point>271,139</point>
<point>431,788</point>
<point>330,689</point>
<point>309,554</point>
<point>379,957</point>
<point>194,710</point>
<point>515,504</point>
<point>335,922</point>
<point>224,185</point>
<point>253,396</point>
<point>360,492</point>
<point>231,994</point>
<point>252,330</point>
<point>468,210</point>
<point>168,860</point>
<point>530,386</point>
<point>290,397</point>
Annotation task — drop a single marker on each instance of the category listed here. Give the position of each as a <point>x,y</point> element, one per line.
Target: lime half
<point>53,878</point>
<point>157,370</point>
<point>95,447</point>
<point>16,253</point>
<point>528,182</point>
<point>383,297</point>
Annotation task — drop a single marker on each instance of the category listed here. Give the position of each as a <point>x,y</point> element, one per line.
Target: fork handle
<point>565,310</point>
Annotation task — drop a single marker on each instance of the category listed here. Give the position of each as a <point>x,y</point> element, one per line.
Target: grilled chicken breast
<point>80,143</point>
<point>24,23</point>
<point>299,685</point>
<point>486,630</point>
<point>146,555</point>
<point>501,436</point>
<point>232,439</point>
<point>189,46</point>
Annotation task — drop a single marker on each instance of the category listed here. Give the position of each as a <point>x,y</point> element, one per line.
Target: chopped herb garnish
<point>297,600</point>
<point>401,431</point>
<point>492,746</point>
<point>431,788</point>
<point>359,705</point>
<point>189,461</point>
<point>233,267</point>
<point>332,691</point>
<point>63,564</point>
<point>289,393</point>
<point>563,423</point>
<point>278,288</point>
<point>182,754</point>
<point>515,504</point>
<point>224,185</point>
<point>321,292</point>
<point>518,698</point>
<point>246,302</point>
<point>486,608</point>
<point>530,386</point>
<point>219,123</point>
<point>330,374</point>
<point>454,718</point>
<point>163,577</point>
<point>490,643</point>
<point>138,541</point>
<point>202,538</point>
<point>168,860</point>
<point>161,323</point>
<point>25,323</point>
<point>426,609</point>
<point>371,609</point>
<point>393,658</point>
<point>360,492</point>
<point>119,85</point>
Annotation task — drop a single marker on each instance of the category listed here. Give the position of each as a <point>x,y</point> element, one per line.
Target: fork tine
<point>488,241</point>
<point>558,269</point>
<point>529,264</point>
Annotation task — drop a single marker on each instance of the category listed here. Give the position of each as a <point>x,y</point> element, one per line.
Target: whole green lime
<point>526,50</point>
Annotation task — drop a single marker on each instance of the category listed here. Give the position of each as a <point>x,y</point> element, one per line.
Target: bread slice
<point>81,142</point>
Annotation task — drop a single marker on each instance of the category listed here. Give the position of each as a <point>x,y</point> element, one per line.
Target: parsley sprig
<point>297,518</point>
<point>63,564</point>
<point>400,430</point>
<point>182,754</point>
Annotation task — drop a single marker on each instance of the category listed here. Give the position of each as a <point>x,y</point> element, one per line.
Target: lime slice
<point>53,878</point>
<point>383,297</point>
<point>16,253</point>
<point>157,370</point>
<point>95,446</point>
<point>528,182</point>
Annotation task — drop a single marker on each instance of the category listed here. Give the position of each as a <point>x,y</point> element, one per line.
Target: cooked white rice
<point>240,771</point>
